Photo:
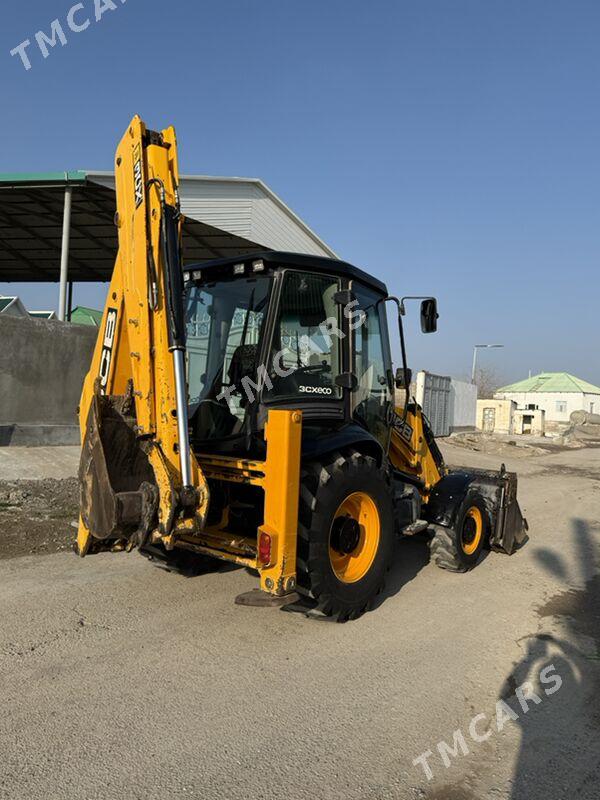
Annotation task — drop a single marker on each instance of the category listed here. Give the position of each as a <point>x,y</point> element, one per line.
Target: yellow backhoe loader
<point>243,409</point>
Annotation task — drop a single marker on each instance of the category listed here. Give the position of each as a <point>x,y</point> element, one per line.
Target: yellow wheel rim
<point>472,531</point>
<point>358,518</point>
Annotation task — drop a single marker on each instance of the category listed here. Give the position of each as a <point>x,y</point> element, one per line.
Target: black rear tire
<point>458,549</point>
<point>342,578</point>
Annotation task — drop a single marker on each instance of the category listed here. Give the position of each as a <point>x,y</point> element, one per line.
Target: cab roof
<point>276,258</point>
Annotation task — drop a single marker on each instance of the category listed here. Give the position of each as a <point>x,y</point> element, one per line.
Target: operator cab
<point>283,330</point>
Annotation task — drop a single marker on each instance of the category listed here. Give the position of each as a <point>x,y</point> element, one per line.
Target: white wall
<point>463,405</point>
<point>575,401</point>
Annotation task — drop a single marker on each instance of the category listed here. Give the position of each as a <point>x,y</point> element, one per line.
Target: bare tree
<point>487,382</point>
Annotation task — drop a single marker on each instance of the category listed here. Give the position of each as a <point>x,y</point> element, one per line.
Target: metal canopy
<point>32,210</point>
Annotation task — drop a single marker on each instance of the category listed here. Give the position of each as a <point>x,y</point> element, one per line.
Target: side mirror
<point>429,315</point>
<point>400,378</point>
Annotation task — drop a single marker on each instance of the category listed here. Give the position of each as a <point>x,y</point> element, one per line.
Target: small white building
<point>503,416</point>
<point>532,421</point>
<point>496,416</point>
<point>556,393</point>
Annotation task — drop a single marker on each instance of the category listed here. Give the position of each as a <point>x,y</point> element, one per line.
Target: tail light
<point>264,549</point>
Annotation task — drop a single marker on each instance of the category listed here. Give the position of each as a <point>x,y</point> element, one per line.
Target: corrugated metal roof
<point>224,217</point>
<point>31,231</point>
<point>245,207</point>
<point>551,382</point>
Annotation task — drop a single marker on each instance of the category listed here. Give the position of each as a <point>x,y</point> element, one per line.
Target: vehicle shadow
<point>559,754</point>
<point>186,562</point>
<point>411,555</point>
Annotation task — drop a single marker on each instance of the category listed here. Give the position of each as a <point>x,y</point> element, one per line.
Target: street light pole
<point>474,364</point>
<point>475,348</point>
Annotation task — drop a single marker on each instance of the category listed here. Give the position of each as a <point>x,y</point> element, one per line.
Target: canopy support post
<point>64,254</point>
<point>69,301</point>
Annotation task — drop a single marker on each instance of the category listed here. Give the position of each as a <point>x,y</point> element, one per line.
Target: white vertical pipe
<point>474,364</point>
<point>64,254</point>
<point>182,417</point>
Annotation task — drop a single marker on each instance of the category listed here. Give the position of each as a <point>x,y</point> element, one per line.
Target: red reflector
<point>264,549</point>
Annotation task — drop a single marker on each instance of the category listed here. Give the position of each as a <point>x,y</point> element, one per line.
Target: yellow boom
<point>140,481</point>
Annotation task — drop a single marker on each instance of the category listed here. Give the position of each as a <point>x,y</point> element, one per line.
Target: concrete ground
<point>37,463</point>
<point>119,679</point>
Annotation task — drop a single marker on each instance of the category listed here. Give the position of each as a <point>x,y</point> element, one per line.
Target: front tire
<point>345,534</point>
<point>458,549</point>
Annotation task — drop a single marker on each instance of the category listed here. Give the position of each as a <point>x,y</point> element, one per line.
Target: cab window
<point>225,324</point>
<point>306,346</point>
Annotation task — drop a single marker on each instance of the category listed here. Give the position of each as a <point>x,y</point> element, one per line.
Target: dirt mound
<point>587,435</point>
<point>36,516</point>
<point>494,445</point>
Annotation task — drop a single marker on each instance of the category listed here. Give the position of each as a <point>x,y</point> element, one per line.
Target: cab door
<point>372,398</point>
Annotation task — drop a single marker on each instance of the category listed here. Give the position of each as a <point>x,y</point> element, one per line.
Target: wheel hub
<point>472,531</point>
<point>354,537</point>
<point>345,535</point>
<point>469,531</point>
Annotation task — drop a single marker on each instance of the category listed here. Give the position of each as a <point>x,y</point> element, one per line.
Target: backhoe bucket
<point>118,495</point>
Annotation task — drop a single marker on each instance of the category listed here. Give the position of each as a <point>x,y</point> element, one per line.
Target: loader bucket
<point>118,496</point>
<point>511,527</point>
<point>497,490</point>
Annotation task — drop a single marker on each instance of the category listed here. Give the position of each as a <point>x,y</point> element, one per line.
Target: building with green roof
<point>81,315</point>
<point>557,393</point>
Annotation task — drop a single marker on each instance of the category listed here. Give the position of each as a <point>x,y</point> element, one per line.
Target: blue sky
<point>450,147</point>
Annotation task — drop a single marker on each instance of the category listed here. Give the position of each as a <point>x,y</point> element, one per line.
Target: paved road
<point>120,680</point>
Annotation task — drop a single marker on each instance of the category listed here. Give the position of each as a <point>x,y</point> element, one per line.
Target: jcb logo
<point>107,348</point>
<point>138,177</point>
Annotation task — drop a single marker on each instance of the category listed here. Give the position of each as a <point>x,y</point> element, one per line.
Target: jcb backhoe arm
<point>137,471</point>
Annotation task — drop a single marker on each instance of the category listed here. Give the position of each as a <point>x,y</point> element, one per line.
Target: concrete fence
<point>42,367</point>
